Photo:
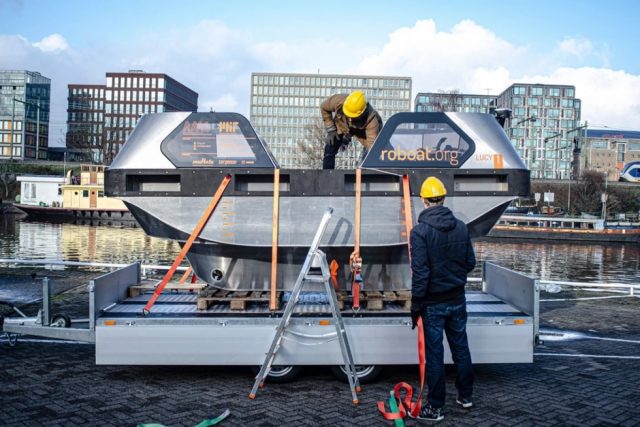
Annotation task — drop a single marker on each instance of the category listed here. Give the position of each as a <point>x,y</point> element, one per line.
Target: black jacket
<point>441,257</point>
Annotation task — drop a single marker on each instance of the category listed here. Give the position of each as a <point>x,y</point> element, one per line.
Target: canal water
<point>20,238</point>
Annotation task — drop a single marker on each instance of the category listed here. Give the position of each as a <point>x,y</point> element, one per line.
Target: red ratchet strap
<point>403,406</point>
<point>406,405</point>
<point>194,235</point>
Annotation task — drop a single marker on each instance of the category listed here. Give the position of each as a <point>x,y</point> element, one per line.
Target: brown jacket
<point>366,128</point>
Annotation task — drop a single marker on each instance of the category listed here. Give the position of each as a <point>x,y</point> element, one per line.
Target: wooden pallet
<point>374,300</point>
<point>150,285</point>
<point>237,300</point>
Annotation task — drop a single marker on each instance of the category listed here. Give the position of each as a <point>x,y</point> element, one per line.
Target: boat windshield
<point>419,140</point>
<point>216,140</point>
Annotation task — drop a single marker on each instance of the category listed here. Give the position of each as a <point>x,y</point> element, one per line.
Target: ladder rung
<point>318,279</point>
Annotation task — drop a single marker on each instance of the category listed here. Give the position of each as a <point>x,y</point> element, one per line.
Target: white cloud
<point>462,58</point>
<point>579,47</point>
<point>609,97</point>
<point>473,59</point>
<point>53,43</point>
<point>217,61</point>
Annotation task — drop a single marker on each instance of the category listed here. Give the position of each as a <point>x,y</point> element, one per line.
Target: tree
<point>446,100</point>
<point>588,191</point>
<point>311,148</point>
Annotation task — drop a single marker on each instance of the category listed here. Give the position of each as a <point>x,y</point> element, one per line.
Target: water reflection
<point>20,238</point>
<point>72,242</point>
<point>563,260</point>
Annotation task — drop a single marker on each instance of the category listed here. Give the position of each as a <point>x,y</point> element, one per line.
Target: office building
<point>285,110</point>
<point>85,122</point>
<point>545,118</point>
<point>100,118</point>
<point>24,114</point>
<point>608,150</point>
<point>452,101</point>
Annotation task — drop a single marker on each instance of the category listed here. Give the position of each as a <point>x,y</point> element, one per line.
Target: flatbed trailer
<point>502,327</point>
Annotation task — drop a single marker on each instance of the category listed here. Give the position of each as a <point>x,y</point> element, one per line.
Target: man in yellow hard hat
<point>441,258</point>
<point>347,116</point>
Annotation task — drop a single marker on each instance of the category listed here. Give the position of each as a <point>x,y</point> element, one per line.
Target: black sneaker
<point>430,414</point>
<point>464,402</point>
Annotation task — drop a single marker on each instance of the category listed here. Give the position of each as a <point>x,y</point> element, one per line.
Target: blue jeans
<point>452,319</point>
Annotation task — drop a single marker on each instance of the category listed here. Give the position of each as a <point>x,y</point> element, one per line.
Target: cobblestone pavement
<point>44,383</point>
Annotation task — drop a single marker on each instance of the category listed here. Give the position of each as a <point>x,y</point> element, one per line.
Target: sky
<point>214,46</point>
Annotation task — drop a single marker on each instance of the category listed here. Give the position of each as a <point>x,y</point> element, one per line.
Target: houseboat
<point>566,228</point>
<point>71,197</point>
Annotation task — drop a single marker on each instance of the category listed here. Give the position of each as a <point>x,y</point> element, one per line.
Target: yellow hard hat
<point>355,104</point>
<point>432,187</point>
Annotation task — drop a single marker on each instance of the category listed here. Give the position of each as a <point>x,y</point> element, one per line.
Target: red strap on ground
<point>194,235</point>
<point>406,404</point>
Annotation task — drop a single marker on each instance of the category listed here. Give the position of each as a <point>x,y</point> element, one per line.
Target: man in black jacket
<point>441,257</point>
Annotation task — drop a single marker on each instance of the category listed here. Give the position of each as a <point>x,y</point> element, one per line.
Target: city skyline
<point>214,47</point>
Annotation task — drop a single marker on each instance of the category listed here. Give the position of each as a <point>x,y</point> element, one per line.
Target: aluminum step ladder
<point>315,258</point>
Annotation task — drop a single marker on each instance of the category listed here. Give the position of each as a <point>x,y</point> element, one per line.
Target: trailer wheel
<point>366,373</point>
<point>61,321</point>
<point>280,373</point>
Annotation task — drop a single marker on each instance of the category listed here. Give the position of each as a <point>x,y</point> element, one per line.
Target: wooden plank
<point>238,304</point>
<point>373,295</point>
<point>202,304</point>
<point>389,296</point>
<point>375,304</point>
<point>404,295</point>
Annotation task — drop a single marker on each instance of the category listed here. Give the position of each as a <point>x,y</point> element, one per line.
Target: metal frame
<point>242,339</point>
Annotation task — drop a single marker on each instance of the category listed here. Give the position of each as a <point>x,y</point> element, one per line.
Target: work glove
<point>415,315</point>
<point>332,134</point>
<point>416,311</point>
<point>345,140</point>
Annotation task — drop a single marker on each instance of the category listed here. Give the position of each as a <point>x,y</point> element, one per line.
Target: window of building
<point>569,92</point>
<point>554,91</point>
<point>536,91</point>
<point>85,193</point>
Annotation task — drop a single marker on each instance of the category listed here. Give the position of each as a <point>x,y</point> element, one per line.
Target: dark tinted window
<point>216,140</point>
<point>419,140</point>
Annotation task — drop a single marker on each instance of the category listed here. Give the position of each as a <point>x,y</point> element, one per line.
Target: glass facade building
<point>285,109</point>
<point>130,95</point>
<point>24,114</point>
<point>545,118</point>
<point>101,117</point>
<point>461,102</point>
<point>85,122</point>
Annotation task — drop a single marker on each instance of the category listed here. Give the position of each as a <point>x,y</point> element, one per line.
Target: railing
<point>52,262</point>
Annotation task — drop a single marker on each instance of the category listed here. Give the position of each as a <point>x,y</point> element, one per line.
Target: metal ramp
<point>315,258</point>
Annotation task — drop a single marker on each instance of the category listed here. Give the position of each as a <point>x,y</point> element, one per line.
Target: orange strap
<point>406,404</point>
<point>408,217</point>
<point>355,259</point>
<point>273,304</point>
<point>185,276</point>
<point>333,269</point>
<point>194,235</point>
